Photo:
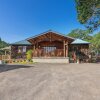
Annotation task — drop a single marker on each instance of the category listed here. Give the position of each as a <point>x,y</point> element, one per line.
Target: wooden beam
<point>66,44</point>
<point>64,48</point>
<point>34,46</point>
<point>11,53</point>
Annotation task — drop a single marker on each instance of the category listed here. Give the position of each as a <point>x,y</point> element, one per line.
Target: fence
<point>5,57</point>
<point>48,53</point>
<point>0,57</point>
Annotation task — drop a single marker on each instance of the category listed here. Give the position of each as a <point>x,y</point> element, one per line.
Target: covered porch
<point>49,45</point>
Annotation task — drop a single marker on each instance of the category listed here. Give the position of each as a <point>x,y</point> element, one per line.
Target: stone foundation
<point>51,59</point>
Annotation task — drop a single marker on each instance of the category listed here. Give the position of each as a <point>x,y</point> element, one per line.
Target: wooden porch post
<point>64,48</point>
<point>11,52</point>
<point>34,46</point>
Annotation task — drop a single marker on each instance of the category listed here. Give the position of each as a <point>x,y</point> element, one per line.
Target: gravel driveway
<point>50,82</point>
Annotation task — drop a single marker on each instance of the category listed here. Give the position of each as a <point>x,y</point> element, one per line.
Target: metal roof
<point>23,42</point>
<point>79,41</point>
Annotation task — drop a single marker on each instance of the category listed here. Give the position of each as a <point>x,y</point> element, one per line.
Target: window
<point>21,49</point>
<point>24,48</point>
<point>49,49</point>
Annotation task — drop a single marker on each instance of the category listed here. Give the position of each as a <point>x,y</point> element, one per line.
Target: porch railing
<point>44,53</point>
<point>5,57</point>
<point>0,57</point>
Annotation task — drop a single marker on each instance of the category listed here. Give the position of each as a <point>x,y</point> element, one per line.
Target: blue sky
<point>20,19</point>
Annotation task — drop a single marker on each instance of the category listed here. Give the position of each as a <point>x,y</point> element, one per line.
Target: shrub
<point>29,55</point>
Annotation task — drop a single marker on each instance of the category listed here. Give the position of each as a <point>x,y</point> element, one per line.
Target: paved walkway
<point>50,82</point>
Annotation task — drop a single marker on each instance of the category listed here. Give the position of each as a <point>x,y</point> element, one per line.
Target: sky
<point>20,19</point>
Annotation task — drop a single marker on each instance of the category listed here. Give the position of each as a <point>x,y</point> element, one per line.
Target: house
<point>51,46</point>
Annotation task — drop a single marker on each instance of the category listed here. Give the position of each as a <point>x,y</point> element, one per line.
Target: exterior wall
<point>79,51</point>
<point>58,44</point>
<point>83,48</point>
<point>15,54</point>
<point>51,60</point>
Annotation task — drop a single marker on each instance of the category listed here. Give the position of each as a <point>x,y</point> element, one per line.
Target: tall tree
<point>89,13</point>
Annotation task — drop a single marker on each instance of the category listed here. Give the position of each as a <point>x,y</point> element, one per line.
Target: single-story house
<point>51,46</point>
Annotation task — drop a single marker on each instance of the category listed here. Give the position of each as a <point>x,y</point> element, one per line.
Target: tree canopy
<point>96,43</point>
<point>89,13</point>
<point>81,34</point>
<point>2,45</point>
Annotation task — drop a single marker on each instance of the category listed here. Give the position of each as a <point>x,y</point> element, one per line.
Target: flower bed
<point>18,61</point>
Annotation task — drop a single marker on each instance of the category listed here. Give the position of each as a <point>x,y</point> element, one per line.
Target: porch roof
<point>57,33</point>
<point>50,36</point>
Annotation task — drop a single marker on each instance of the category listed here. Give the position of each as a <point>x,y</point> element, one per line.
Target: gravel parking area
<point>50,82</point>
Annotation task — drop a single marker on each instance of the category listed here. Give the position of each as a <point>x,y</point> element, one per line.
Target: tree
<point>95,43</point>
<point>81,34</point>
<point>89,13</point>
<point>2,45</point>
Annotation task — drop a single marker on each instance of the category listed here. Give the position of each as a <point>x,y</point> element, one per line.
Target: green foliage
<point>81,34</point>
<point>89,13</point>
<point>96,43</point>
<point>2,45</point>
<point>29,55</point>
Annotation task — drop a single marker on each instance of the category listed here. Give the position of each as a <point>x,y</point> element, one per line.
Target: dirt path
<point>50,82</point>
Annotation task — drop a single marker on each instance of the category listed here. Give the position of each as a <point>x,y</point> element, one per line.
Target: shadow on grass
<point>4,68</point>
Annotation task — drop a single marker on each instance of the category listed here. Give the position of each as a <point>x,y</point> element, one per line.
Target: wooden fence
<point>48,53</point>
<point>0,57</point>
<point>5,57</point>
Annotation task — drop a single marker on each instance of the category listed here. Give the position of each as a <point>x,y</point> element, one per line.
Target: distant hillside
<point>3,43</point>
